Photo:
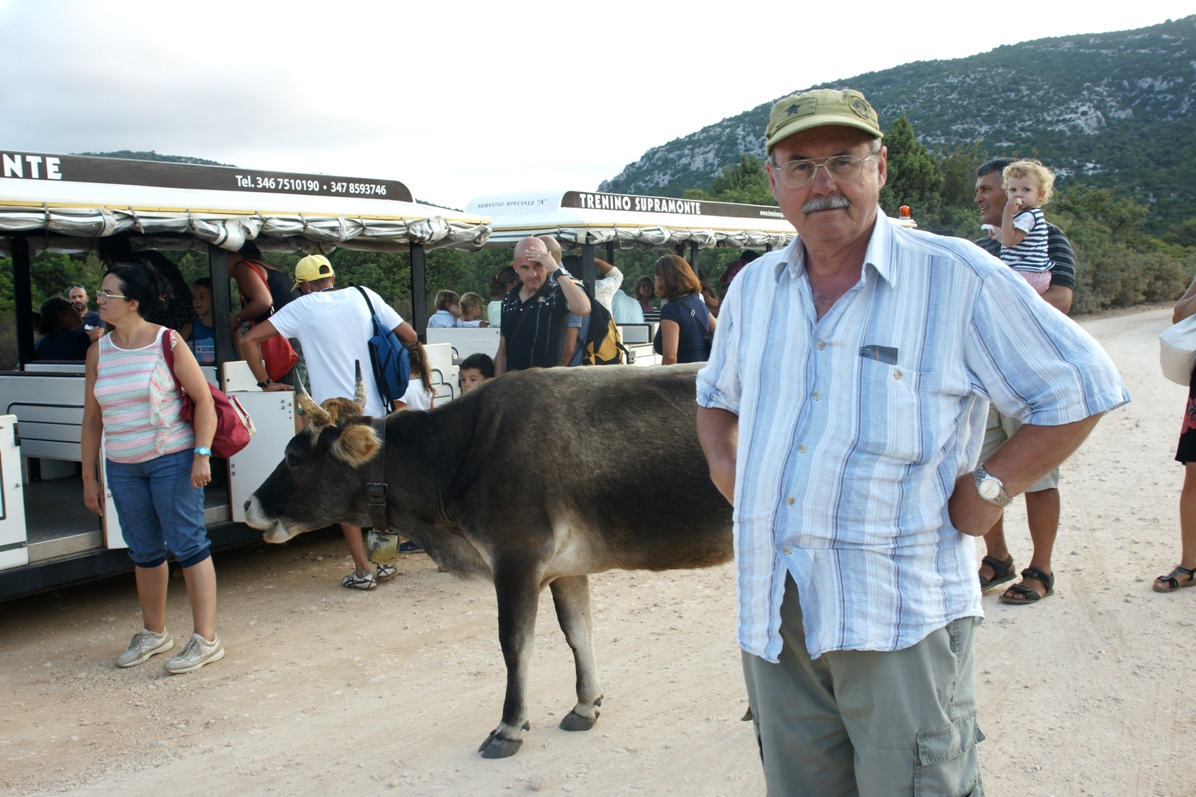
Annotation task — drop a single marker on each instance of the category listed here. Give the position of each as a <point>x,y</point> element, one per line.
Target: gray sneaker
<point>198,652</point>
<point>145,643</point>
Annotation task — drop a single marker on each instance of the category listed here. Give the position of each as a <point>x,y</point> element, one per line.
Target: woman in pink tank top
<point>157,464</point>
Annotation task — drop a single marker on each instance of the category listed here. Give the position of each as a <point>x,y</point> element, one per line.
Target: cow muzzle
<point>273,529</point>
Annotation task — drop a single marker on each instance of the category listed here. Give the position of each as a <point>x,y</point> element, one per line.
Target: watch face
<point>989,489</point>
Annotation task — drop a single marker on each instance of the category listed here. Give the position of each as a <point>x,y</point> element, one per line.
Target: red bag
<point>279,357</point>
<point>277,352</point>
<point>234,427</point>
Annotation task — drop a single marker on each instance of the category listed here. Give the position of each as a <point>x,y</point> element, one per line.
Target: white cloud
<point>455,99</point>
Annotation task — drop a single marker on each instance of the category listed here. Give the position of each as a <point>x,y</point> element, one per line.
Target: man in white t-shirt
<point>334,328</point>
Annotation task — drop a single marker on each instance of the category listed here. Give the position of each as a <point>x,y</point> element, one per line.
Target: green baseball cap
<point>820,108</point>
<point>312,268</point>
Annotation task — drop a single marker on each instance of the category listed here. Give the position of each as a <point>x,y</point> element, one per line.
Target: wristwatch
<point>266,384</point>
<point>202,451</point>
<point>990,487</point>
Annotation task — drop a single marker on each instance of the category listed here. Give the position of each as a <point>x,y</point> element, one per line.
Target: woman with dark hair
<point>264,289</point>
<point>645,292</point>
<point>157,463</point>
<point>500,284</point>
<point>686,326</point>
<point>62,336</point>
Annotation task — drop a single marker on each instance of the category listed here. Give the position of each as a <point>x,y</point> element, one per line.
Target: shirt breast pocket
<point>891,405</point>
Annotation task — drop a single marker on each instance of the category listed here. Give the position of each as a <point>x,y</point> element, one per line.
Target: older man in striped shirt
<point>842,412</point>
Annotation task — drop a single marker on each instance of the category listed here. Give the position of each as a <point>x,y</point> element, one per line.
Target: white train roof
<point>630,220</point>
<point>72,200</point>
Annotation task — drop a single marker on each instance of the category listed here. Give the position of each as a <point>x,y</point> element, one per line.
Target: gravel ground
<point>327,691</point>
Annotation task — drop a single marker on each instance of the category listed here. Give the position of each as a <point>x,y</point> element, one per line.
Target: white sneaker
<point>198,652</point>
<point>145,643</point>
<point>386,571</point>
<point>354,581</point>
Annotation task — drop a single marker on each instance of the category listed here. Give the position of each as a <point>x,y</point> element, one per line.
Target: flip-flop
<point>1172,583</point>
<point>1002,571</point>
<point>1019,594</point>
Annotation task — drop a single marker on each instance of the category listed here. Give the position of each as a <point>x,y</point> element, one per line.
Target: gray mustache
<point>825,203</point>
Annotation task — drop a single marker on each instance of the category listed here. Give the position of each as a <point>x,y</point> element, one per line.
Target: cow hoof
<point>575,722</point>
<point>497,747</point>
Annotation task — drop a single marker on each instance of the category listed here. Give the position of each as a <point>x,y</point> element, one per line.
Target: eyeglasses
<point>103,296</point>
<point>840,168</point>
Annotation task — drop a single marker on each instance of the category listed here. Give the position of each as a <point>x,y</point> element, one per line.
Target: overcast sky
<point>459,99</point>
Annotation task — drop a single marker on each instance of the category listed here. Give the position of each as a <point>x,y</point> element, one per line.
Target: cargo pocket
<point>948,761</point>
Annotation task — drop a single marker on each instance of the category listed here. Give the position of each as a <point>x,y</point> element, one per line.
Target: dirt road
<point>328,691</point>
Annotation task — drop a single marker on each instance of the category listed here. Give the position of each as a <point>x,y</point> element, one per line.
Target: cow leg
<point>518,598</point>
<point>571,595</point>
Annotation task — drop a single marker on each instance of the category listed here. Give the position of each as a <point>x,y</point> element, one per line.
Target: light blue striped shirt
<point>853,429</point>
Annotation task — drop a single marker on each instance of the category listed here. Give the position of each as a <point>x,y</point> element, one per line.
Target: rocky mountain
<point>1110,109</point>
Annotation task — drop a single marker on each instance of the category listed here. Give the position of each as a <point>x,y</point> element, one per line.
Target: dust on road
<point>326,690</point>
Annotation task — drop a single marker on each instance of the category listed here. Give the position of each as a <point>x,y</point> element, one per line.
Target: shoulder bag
<point>1177,351</point>
<point>234,427</point>
<point>388,357</point>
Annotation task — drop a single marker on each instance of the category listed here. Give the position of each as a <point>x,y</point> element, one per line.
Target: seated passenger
<point>625,309</point>
<point>471,311</point>
<point>500,284</point>
<point>475,369</point>
<point>62,332</point>
<point>199,334</point>
<point>420,395</point>
<point>448,308</point>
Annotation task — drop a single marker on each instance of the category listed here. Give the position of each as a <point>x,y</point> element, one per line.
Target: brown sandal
<point>1002,571</point>
<point>1019,593</point>
<point>1169,582</point>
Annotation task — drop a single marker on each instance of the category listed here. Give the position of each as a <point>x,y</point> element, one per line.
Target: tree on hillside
<point>1118,264</point>
<point>1183,233</point>
<point>958,166</point>
<point>914,177</point>
<point>745,182</point>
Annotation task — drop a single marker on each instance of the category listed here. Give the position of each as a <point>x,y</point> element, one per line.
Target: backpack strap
<point>376,324</point>
<point>706,333</point>
<point>265,278</point>
<point>366,296</point>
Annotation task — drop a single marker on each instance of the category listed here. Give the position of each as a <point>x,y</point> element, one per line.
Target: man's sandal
<point>1020,593</point>
<point>1002,572</point>
<point>1170,582</point>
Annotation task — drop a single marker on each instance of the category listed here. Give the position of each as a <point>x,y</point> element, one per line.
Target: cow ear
<point>356,444</point>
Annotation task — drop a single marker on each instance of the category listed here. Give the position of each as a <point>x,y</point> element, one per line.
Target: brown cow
<point>535,479</point>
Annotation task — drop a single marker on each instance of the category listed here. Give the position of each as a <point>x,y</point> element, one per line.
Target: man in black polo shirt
<point>535,313</point>
<point>1042,498</point>
<point>990,198</point>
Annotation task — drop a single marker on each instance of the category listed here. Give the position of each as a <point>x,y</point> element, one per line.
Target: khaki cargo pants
<point>867,723</point>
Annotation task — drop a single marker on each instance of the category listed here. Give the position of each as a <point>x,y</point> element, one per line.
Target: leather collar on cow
<point>376,486</point>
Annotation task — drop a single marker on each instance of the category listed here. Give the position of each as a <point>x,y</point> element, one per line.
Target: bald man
<point>535,313</point>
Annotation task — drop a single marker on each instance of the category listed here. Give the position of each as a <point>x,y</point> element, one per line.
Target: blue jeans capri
<point>159,509</point>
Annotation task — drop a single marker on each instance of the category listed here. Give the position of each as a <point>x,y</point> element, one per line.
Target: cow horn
<point>359,390</point>
<point>319,416</point>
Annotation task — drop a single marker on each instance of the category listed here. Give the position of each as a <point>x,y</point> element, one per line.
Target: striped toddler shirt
<point>1031,253</point>
<point>140,403</point>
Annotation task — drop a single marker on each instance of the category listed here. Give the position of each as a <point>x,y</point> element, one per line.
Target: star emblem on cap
<point>794,108</point>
